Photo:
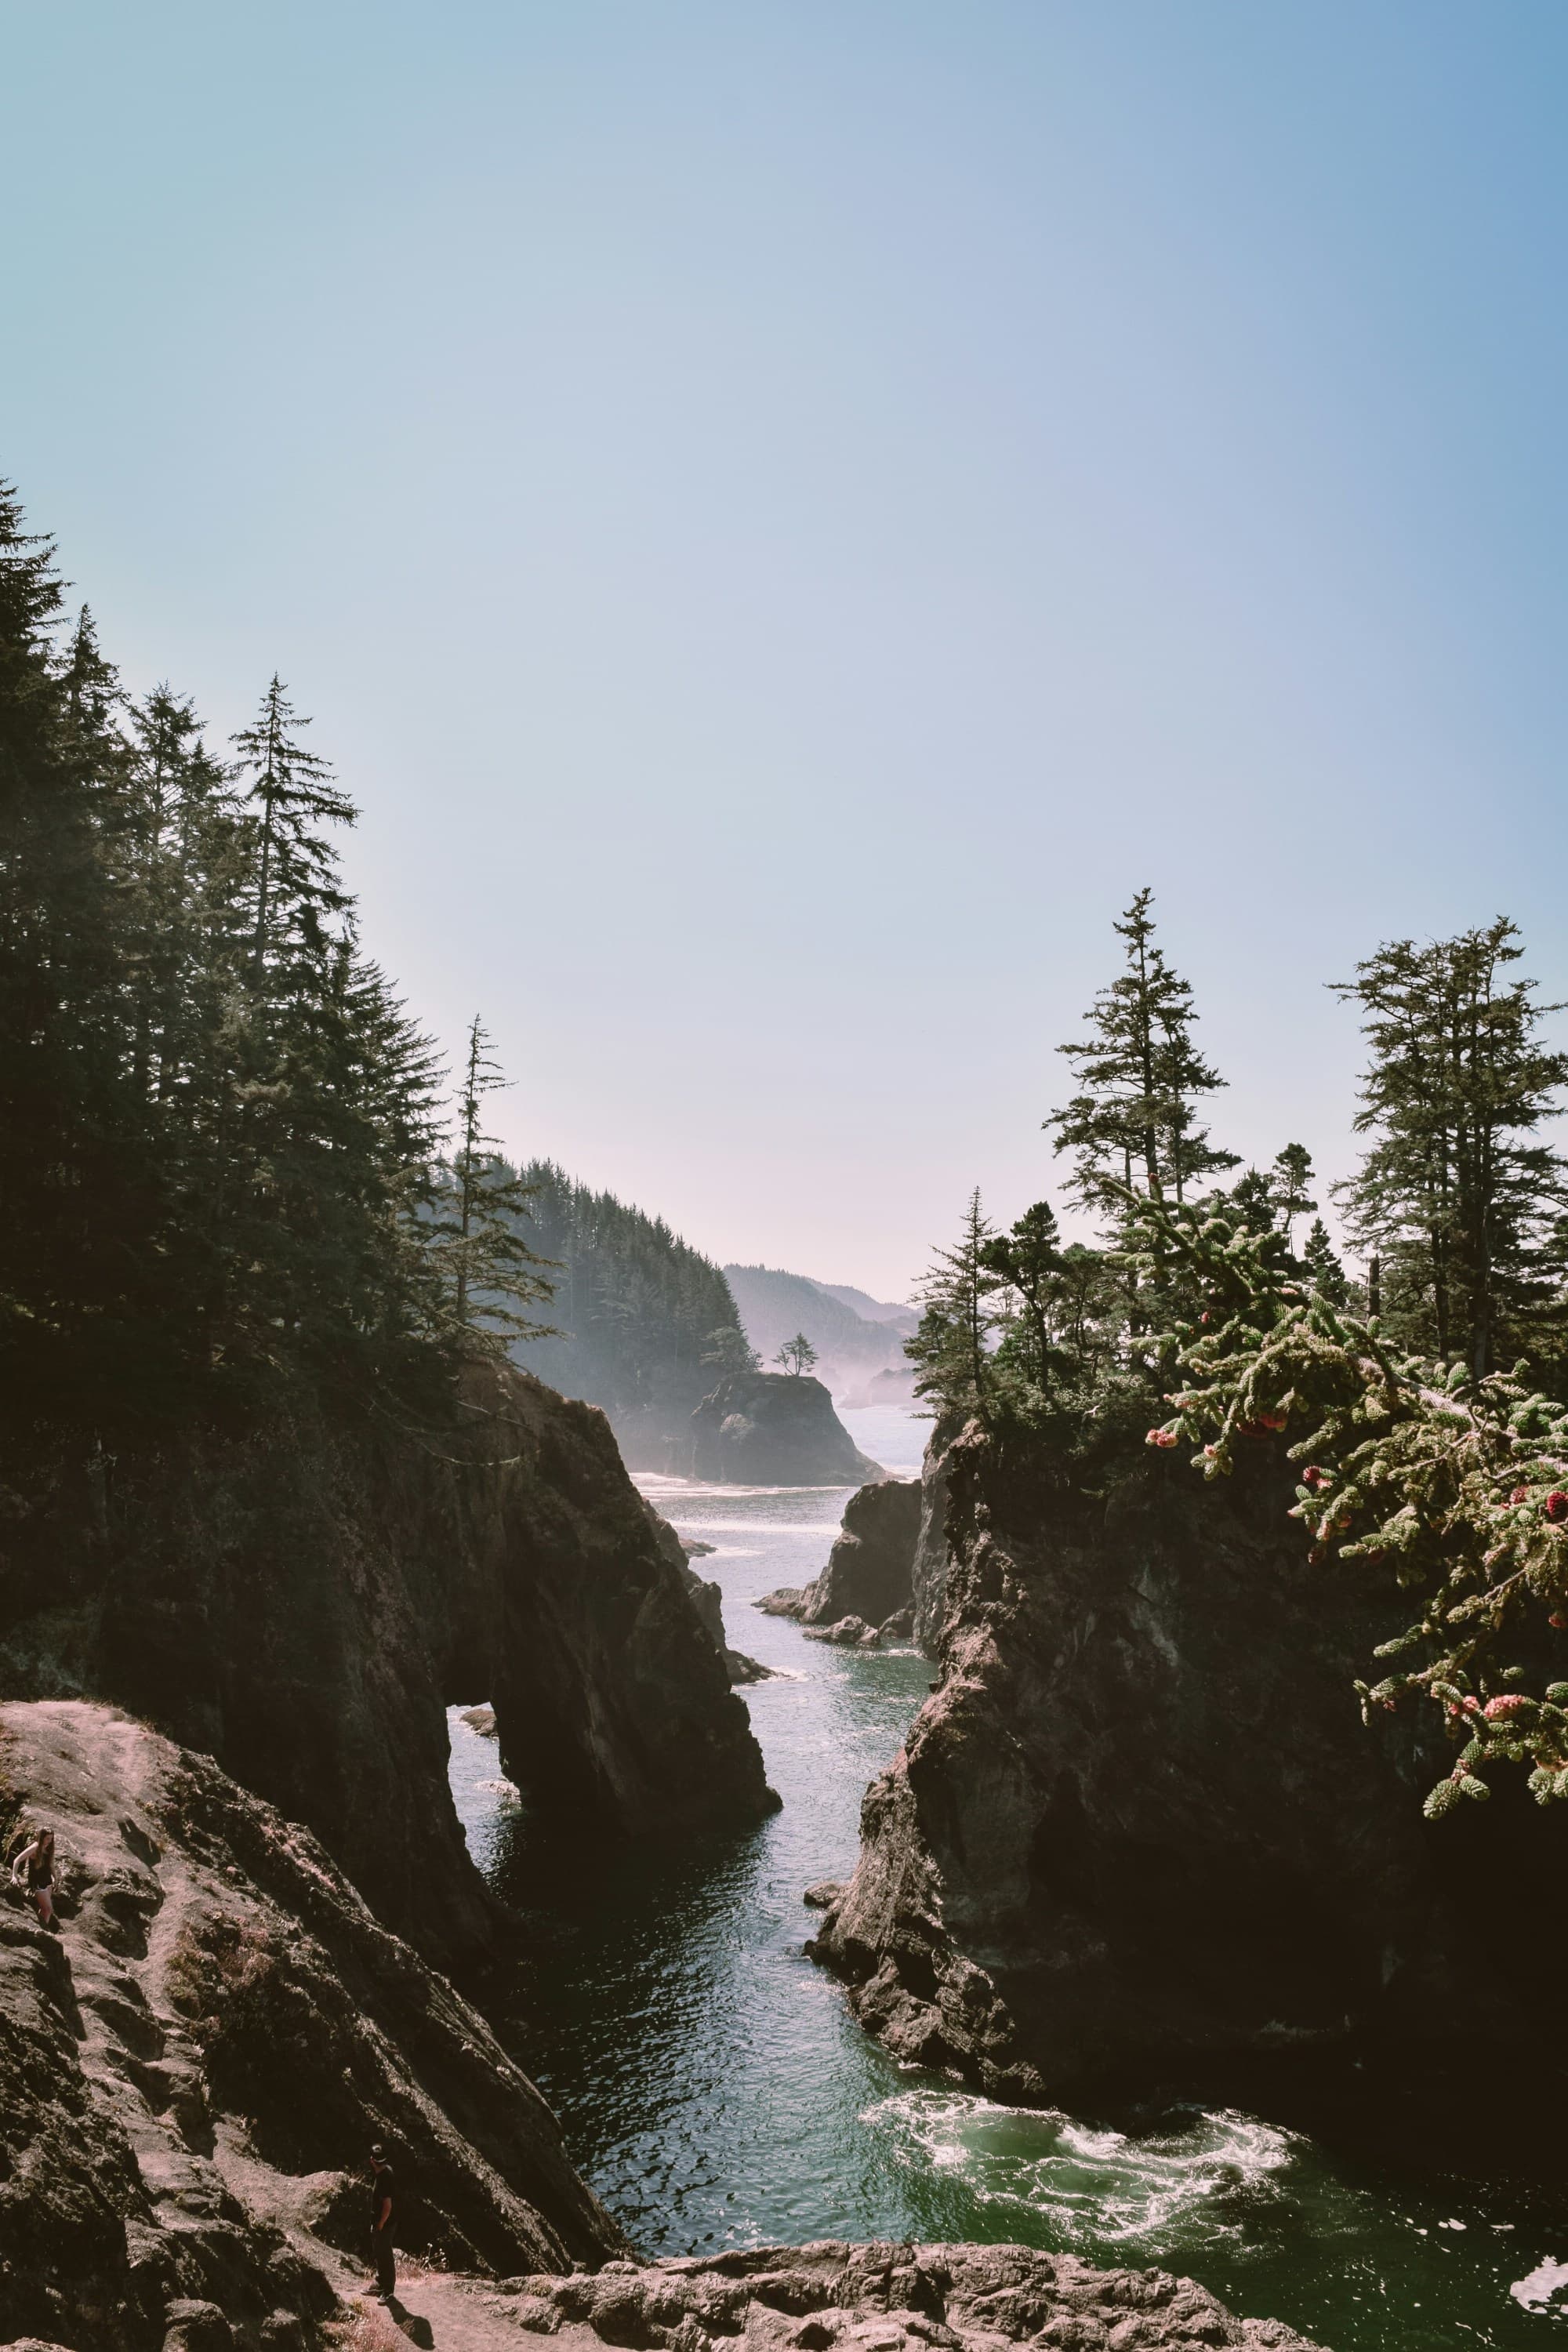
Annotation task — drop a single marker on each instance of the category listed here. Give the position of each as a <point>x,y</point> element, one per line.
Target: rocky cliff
<point>771,1429</point>
<point>928,1575</point>
<point>1140,1830</point>
<point>194,2063</point>
<point>871,1568</point>
<point>868,1581</point>
<point>304,1607</point>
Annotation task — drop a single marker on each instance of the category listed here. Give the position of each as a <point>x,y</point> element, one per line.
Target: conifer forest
<point>236,1179</point>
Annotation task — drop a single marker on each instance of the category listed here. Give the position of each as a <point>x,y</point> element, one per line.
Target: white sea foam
<point>1087,2183</point>
<point>1544,2283</point>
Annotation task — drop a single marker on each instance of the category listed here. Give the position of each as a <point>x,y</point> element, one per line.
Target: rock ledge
<point>888,2298</point>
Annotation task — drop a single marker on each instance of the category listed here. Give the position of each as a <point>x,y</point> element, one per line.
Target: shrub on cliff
<point>1456,1487</point>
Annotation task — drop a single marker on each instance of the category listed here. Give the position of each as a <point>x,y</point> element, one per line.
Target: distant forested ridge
<point>646,1324</point>
<point>851,1348</point>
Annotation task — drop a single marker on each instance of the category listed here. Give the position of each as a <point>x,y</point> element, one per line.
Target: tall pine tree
<point>492,1272</point>
<point>1457,1194</point>
<point>1134,1123</point>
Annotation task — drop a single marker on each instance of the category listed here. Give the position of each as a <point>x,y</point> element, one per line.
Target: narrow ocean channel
<point>714,2091</point>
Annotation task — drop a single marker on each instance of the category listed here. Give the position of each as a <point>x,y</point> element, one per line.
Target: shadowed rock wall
<point>771,1429</point>
<point>304,1607</point>
<point>1140,1825</point>
<point>871,1565</point>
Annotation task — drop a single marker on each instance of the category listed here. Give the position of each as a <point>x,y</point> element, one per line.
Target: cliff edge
<point>775,1428</point>
<point>1139,1830</point>
<point>304,1606</point>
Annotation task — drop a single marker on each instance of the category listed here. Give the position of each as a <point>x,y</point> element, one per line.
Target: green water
<point>714,2091</point>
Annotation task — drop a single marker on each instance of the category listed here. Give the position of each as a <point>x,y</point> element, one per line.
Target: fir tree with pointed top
<point>952,1348</point>
<point>292,790</point>
<point>1457,1194</point>
<point>491,1270</point>
<point>1134,1123</point>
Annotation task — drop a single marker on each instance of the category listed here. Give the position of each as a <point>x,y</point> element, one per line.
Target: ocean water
<point>715,2092</point>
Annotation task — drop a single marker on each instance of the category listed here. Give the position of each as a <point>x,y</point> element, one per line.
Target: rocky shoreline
<point>1139,1830</point>
<point>193,2063</point>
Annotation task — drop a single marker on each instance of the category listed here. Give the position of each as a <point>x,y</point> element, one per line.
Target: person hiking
<point>34,1869</point>
<point>382,2255</point>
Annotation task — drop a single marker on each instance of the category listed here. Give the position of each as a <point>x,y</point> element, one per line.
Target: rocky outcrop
<point>707,1598</point>
<point>1140,1828</point>
<point>196,2060</point>
<point>888,2298</point>
<point>772,1429</point>
<point>304,1607</point>
<point>928,1574</point>
<point>871,1568</point>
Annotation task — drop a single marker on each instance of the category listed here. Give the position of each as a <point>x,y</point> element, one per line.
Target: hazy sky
<point>786,515</point>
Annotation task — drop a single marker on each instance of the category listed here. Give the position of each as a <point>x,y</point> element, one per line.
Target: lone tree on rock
<point>490,1269</point>
<point>797,1355</point>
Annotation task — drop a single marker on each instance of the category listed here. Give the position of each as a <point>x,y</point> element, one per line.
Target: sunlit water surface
<point>714,2091</point>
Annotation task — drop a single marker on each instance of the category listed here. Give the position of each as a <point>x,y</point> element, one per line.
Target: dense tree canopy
<point>1227,1311</point>
<point>220,1133</point>
<point>645,1321</point>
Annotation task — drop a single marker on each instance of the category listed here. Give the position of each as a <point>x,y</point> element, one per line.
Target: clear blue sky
<point>786,515</point>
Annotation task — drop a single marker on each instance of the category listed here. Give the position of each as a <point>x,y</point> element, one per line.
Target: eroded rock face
<point>772,1429</point>
<point>194,2064</point>
<point>1141,1830</point>
<point>889,2298</point>
<point>928,1575</point>
<point>869,1571</point>
<point>304,1607</point>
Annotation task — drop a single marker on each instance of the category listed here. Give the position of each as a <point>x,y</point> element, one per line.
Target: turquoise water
<point>715,2092</point>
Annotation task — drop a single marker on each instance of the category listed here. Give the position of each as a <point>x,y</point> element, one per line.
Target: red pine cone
<point>1557,1506</point>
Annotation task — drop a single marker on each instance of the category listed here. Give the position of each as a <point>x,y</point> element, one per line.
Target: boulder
<point>870,1569</point>
<point>848,1634</point>
<point>772,1429</point>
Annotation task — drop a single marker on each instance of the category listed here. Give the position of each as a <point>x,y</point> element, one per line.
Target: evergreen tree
<point>1132,1125</point>
<point>951,1350</point>
<point>648,1324</point>
<point>296,883</point>
<point>798,1355</point>
<point>1290,1176</point>
<point>1324,1272</point>
<point>490,1269</point>
<point>211,1159</point>
<point>1457,1194</point>
<point>1029,1260</point>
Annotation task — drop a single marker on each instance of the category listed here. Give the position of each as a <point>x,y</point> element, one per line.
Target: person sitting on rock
<point>382,2255</point>
<point>33,1868</point>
